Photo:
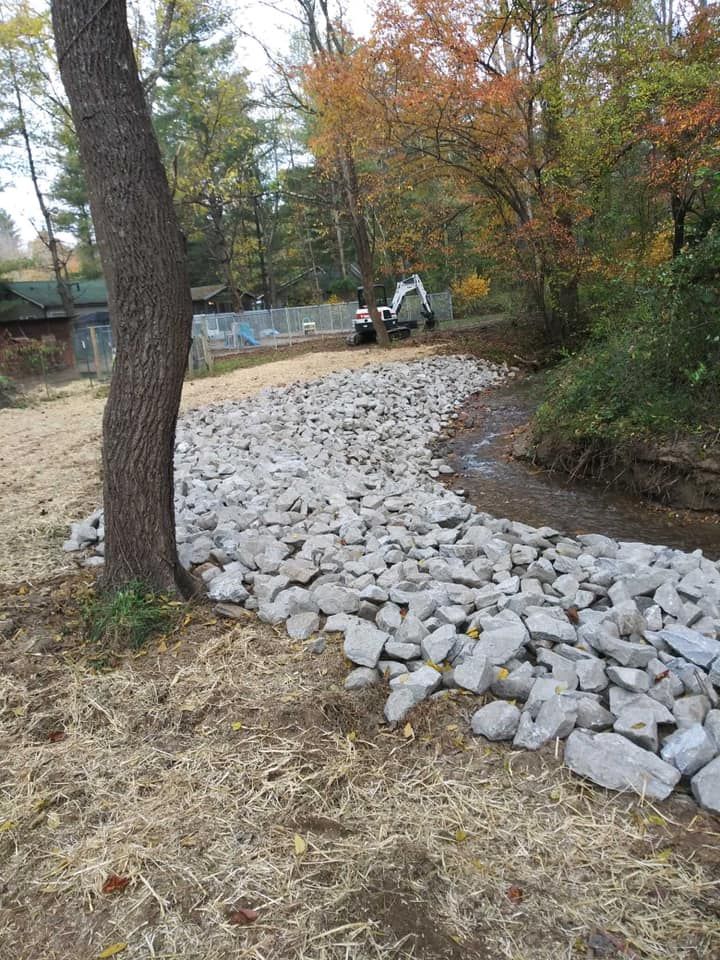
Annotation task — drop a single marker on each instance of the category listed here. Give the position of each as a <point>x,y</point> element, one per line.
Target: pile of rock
<point>318,506</point>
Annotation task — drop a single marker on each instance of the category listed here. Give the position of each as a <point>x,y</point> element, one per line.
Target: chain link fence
<point>286,325</point>
<point>231,332</point>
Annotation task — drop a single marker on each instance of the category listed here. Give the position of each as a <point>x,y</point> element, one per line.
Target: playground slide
<point>248,336</point>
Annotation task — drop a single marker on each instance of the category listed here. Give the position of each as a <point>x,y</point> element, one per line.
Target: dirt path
<point>50,453</point>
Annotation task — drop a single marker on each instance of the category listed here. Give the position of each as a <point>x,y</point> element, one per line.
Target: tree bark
<point>679,211</point>
<point>361,241</point>
<point>143,260</point>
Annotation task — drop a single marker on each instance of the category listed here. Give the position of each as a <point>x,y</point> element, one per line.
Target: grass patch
<point>128,617</point>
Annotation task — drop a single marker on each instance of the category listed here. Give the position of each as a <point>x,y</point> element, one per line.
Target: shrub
<point>31,357</point>
<point>469,293</point>
<point>8,392</point>
<point>653,370</point>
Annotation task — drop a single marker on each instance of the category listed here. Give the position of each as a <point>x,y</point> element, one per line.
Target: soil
<point>50,452</point>
<point>194,766</point>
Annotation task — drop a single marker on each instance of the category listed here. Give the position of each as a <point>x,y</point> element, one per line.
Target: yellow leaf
<point>22,590</point>
<point>450,727</point>
<point>352,736</point>
<point>503,673</point>
<point>460,836</point>
<point>663,855</point>
<point>474,633</point>
<point>187,619</point>
<point>408,731</point>
<point>237,725</point>
<point>53,820</point>
<point>19,711</point>
<point>162,647</point>
<point>455,938</point>
<point>7,825</point>
<point>638,726</point>
<point>655,819</point>
<point>433,665</point>
<point>300,845</point>
<point>112,950</point>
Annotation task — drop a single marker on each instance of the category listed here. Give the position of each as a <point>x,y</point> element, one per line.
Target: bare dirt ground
<point>50,452</point>
<point>224,767</point>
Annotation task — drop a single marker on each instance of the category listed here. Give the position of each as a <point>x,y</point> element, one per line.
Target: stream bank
<point>497,482</point>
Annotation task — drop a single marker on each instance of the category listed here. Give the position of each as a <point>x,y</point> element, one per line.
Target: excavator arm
<point>409,285</point>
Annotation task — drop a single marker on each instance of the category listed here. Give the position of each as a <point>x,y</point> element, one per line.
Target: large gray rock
<point>333,598</point>
<point>502,643</point>
<point>690,749</point>
<point>515,684</point>
<point>638,724</point>
<point>228,587</point>
<point>411,630</point>
<point>437,645</point>
<point>556,718</point>
<point>401,701</point>
<point>591,674</point>
<point>496,721</point>
<point>691,710</point>
<point>426,678</point>
<point>475,674</point>
<point>705,786</point>
<point>302,625</point>
<point>542,626</point>
<point>692,645</point>
<point>629,678</point>
<point>364,644</point>
<point>612,761</point>
<point>361,677</point>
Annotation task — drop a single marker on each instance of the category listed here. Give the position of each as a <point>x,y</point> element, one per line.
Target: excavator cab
<point>389,313</point>
<point>364,330</point>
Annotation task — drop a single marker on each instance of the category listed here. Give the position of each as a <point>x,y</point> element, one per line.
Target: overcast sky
<point>255,17</point>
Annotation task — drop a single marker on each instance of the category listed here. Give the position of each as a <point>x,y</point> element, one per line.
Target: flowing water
<point>499,485</point>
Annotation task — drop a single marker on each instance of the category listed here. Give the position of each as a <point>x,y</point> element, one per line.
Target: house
<point>32,309</point>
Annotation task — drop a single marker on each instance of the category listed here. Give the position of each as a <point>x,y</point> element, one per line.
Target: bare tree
<point>143,260</point>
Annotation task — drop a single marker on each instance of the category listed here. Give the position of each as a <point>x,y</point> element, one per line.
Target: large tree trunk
<point>148,292</point>
<point>361,240</point>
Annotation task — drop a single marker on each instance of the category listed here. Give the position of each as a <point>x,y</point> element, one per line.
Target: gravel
<point>318,505</point>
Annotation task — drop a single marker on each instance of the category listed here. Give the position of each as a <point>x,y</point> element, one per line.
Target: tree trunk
<point>678,214</point>
<point>63,287</point>
<point>361,240</point>
<point>143,259</point>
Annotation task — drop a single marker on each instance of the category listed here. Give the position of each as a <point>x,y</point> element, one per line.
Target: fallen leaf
<point>408,731</point>
<point>112,950</point>
<point>515,894</point>
<point>7,825</point>
<point>19,711</point>
<point>300,845</point>
<point>662,676</point>
<point>236,725</point>
<point>638,726</point>
<point>55,736</point>
<point>662,856</point>
<point>352,736</point>
<point>572,614</point>
<point>503,673</point>
<point>162,647</point>
<point>242,916</point>
<point>473,632</point>
<point>460,836</point>
<point>114,882</point>
<point>655,819</point>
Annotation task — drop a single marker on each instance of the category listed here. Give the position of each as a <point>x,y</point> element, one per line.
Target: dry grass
<point>50,453</point>
<point>191,771</point>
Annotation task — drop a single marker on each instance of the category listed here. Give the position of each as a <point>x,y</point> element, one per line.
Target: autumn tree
<point>340,124</point>
<point>149,298</point>
<point>27,100</point>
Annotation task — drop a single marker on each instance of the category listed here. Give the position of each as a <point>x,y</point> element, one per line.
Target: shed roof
<point>44,293</point>
<point>85,293</point>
